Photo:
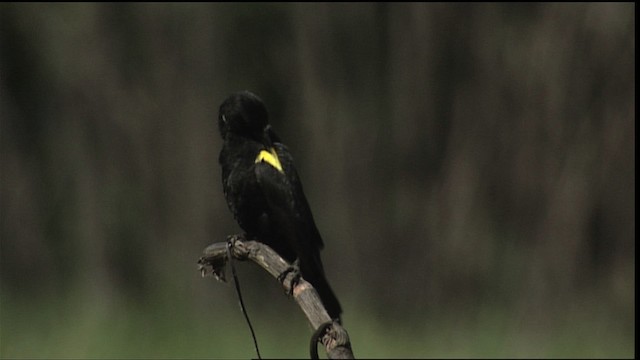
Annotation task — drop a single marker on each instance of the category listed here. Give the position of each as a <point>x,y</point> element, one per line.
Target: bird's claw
<point>293,282</point>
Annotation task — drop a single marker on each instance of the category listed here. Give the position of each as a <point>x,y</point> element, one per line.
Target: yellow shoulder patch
<point>271,158</point>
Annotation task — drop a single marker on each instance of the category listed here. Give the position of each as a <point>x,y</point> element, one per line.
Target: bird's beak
<point>266,137</point>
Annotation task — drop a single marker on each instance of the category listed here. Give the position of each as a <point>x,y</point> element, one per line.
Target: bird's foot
<point>290,278</point>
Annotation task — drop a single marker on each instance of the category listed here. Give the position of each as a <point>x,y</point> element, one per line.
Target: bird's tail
<point>316,277</point>
<point>328,297</point>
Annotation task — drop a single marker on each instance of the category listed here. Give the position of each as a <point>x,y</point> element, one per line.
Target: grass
<point>88,328</point>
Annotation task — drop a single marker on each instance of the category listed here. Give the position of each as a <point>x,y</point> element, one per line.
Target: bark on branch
<point>335,339</point>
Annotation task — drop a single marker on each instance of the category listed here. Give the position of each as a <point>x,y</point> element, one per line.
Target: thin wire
<point>244,310</point>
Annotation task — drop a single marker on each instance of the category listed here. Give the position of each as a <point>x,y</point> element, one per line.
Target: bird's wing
<point>290,212</point>
<point>300,205</point>
<point>288,208</point>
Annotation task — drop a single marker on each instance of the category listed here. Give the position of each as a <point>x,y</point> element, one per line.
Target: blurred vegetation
<point>471,168</point>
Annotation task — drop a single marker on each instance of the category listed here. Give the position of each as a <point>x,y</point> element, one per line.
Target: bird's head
<point>243,114</point>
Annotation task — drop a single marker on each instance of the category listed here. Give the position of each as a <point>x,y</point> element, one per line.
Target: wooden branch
<point>335,339</point>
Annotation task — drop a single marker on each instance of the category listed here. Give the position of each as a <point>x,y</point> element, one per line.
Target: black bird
<point>263,191</point>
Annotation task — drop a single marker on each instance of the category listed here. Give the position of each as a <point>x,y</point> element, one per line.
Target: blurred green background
<point>471,169</point>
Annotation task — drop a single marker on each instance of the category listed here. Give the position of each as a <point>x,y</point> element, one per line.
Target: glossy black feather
<point>269,203</point>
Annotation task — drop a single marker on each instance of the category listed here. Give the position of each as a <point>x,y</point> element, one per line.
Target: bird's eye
<point>224,119</point>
